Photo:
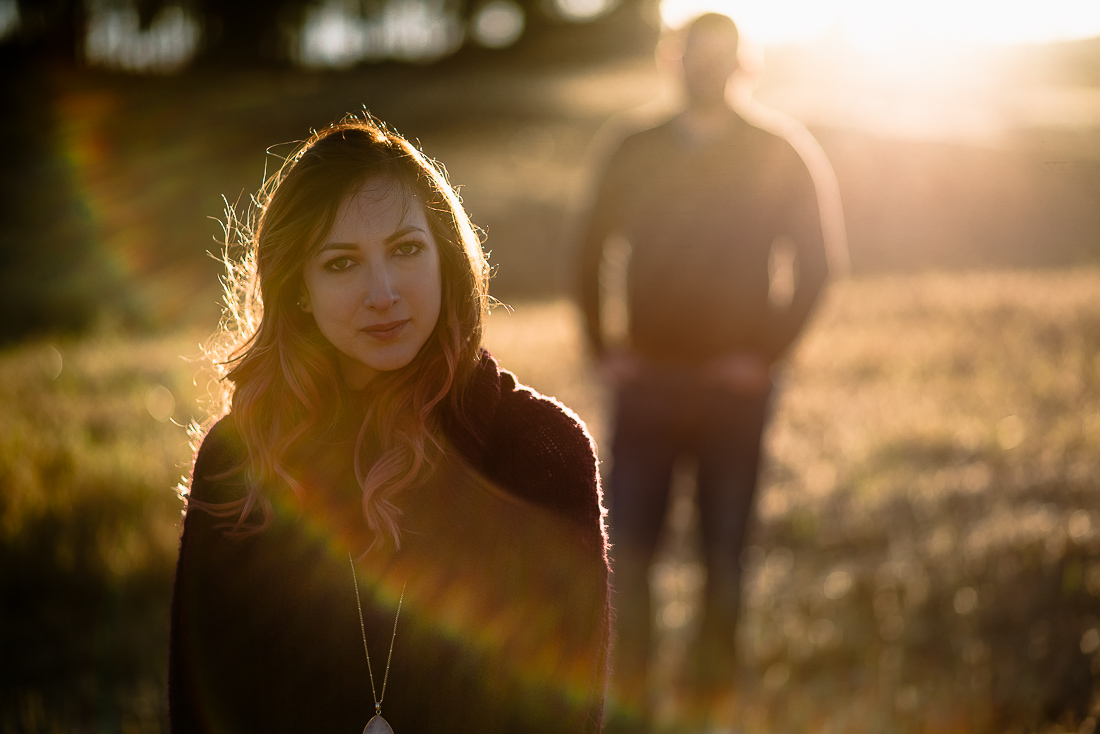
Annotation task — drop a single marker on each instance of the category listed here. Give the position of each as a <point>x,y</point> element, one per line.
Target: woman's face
<point>374,285</point>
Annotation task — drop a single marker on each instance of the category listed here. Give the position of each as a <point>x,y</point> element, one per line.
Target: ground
<point>926,556</point>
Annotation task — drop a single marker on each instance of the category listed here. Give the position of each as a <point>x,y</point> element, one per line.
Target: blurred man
<point>703,200</point>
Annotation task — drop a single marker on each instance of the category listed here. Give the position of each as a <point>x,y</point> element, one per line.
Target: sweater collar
<point>468,428</point>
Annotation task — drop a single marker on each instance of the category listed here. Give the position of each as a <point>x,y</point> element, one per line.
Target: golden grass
<point>926,556</point>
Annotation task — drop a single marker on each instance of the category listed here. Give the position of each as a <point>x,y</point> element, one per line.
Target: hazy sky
<point>873,24</point>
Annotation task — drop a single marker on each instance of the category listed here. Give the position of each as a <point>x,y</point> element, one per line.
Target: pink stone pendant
<point>377,725</point>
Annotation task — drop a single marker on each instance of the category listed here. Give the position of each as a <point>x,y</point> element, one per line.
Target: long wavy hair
<point>277,372</point>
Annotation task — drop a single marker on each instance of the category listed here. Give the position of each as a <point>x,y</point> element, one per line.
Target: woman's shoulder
<point>541,420</point>
<point>539,449</point>
<point>220,456</point>
<point>222,442</point>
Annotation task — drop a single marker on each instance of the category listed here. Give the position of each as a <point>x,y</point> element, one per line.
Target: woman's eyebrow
<point>337,246</point>
<point>352,246</point>
<point>404,231</point>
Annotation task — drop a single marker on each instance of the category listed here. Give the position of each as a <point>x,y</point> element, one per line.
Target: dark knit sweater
<point>701,220</point>
<point>503,563</point>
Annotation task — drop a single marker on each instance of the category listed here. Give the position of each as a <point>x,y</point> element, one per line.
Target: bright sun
<point>940,69</point>
<point>882,25</point>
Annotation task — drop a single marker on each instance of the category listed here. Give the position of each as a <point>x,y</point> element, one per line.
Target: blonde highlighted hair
<point>278,374</point>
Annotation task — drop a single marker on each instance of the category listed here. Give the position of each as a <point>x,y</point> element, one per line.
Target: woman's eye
<point>408,249</point>
<point>338,263</point>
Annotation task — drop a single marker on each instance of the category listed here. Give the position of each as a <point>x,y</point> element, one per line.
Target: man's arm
<point>601,221</point>
<point>803,225</point>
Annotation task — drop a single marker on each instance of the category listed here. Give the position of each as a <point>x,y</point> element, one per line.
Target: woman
<point>386,526</point>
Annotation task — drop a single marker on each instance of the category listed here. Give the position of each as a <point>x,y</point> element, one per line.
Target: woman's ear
<point>303,301</point>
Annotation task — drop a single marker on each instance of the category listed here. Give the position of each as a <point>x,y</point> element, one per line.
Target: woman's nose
<point>381,292</point>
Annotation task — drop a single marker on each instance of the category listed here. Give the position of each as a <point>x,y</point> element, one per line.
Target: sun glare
<point>938,69</point>
<point>781,21</point>
<point>874,26</point>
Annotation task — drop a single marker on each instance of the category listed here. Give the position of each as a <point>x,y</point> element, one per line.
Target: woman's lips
<point>385,332</point>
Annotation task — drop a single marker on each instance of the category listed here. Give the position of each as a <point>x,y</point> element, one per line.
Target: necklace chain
<point>363,629</point>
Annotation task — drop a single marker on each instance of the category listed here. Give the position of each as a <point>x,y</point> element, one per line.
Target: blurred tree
<point>241,33</point>
<point>51,276</point>
<point>49,28</point>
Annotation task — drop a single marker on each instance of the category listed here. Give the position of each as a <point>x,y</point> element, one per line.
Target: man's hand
<point>742,372</point>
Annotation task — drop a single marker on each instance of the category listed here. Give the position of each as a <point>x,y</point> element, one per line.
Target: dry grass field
<point>926,558</point>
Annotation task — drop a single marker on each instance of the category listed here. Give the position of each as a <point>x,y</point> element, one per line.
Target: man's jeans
<point>668,413</point>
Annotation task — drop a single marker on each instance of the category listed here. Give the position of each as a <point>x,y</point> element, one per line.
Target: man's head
<point>709,58</point>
